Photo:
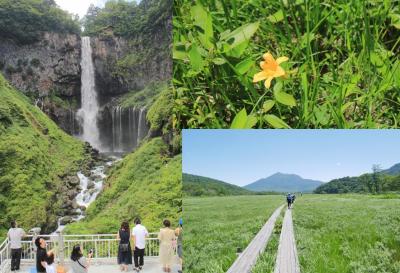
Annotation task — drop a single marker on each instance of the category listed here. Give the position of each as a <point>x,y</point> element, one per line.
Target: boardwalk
<point>248,257</point>
<point>287,260</point>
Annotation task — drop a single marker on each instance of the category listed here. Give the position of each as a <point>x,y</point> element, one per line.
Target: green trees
<point>124,18</point>
<point>376,182</point>
<point>24,20</point>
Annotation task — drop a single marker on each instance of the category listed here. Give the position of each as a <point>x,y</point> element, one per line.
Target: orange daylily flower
<point>270,69</point>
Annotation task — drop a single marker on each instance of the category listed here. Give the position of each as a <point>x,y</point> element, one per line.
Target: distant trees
<point>126,18</point>
<point>376,182</point>
<point>24,20</point>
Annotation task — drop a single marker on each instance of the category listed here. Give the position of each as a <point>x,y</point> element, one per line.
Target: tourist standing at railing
<point>124,248</point>
<point>139,234</point>
<point>179,235</point>
<point>15,235</point>
<point>79,264</point>
<point>167,244</point>
<point>41,255</point>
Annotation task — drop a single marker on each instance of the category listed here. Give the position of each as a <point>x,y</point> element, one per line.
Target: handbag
<point>124,247</point>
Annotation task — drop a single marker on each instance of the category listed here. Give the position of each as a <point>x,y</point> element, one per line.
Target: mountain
<point>281,182</point>
<point>195,185</point>
<point>394,170</point>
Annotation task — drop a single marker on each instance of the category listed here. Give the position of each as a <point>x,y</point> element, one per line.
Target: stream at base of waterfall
<point>89,188</point>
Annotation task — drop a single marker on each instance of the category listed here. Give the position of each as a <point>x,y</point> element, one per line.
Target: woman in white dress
<point>167,242</point>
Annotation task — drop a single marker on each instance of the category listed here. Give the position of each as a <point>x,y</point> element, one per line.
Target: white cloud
<point>79,7</point>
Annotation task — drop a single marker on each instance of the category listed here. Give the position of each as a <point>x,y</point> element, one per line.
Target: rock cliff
<point>49,72</point>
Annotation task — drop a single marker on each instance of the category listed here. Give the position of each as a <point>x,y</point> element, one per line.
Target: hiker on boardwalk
<point>124,248</point>
<point>15,235</point>
<point>179,235</point>
<point>139,234</point>
<point>79,264</point>
<point>167,244</point>
<point>289,200</point>
<point>41,255</point>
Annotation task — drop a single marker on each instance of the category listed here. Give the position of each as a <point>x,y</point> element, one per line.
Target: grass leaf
<point>276,122</point>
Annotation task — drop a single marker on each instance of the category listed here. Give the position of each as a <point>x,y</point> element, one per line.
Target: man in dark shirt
<point>41,255</point>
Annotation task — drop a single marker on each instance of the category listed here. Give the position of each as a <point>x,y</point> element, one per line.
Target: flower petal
<point>268,57</point>
<point>282,59</point>
<point>279,72</point>
<point>267,82</point>
<point>260,76</point>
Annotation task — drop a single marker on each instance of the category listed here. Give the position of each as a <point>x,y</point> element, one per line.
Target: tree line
<point>24,20</point>
<point>376,182</point>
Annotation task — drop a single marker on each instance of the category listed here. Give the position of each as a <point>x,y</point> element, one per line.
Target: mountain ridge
<point>281,182</point>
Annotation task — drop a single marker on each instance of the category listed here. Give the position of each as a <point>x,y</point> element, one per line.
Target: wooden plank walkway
<point>287,260</point>
<point>248,258</point>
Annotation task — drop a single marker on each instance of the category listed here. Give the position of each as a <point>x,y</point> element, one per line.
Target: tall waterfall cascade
<point>88,112</point>
<point>129,127</point>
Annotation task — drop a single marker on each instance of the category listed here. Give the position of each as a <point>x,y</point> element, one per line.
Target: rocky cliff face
<point>48,71</point>
<point>51,65</point>
<point>124,65</point>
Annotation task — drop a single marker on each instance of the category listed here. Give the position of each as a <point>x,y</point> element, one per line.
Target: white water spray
<point>90,106</point>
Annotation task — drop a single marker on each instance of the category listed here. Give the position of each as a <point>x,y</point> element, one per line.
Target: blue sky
<point>243,156</point>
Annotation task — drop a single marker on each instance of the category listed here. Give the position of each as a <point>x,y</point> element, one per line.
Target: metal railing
<point>105,246</point>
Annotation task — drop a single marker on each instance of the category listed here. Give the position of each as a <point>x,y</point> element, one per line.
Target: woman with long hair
<point>79,264</point>
<point>124,247</point>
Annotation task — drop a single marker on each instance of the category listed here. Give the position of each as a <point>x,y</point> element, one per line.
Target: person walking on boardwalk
<point>167,242</point>
<point>179,235</point>
<point>15,235</point>
<point>124,247</point>
<point>139,234</point>
<point>289,200</point>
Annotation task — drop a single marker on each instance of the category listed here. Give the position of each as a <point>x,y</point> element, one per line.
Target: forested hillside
<point>376,182</point>
<point>37,159</point>
<point>195,185</point>
<point>25,21</point>
<point>145,184</point>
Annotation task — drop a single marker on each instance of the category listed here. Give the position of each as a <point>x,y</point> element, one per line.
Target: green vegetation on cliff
<point>24,20</point>
<point>125,18</point>
<point>144,97</point>
<point>146,183</point>
<point>34,156</point>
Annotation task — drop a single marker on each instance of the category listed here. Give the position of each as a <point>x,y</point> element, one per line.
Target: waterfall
<point>129,126</point>
<point>90,106</point>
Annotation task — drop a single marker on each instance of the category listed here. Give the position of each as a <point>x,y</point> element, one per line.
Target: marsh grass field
<point>217,226</point>
<point>342,68</point>
<point>334,233</point>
